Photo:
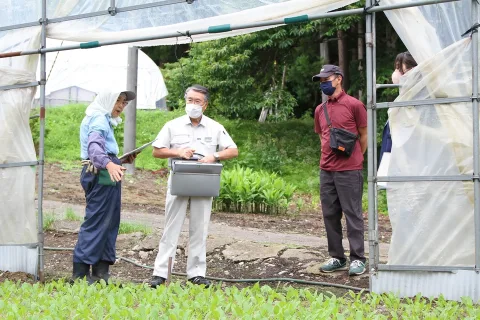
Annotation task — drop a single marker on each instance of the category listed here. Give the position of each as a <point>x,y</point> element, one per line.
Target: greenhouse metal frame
<point>383,277</point>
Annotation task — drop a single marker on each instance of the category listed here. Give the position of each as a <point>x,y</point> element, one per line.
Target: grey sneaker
<point>334,264</point>
<point>357,267</point>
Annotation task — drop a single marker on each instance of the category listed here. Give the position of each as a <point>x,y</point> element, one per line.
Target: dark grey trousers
<point>341,191</point>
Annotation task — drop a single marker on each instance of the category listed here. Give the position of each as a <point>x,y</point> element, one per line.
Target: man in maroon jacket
<point>341,179</point>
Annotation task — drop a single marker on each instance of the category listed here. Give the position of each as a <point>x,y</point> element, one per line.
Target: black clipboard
<point>137,150</point>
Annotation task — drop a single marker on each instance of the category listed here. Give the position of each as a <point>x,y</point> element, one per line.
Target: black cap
<point>326,71</point>
<point>130,95</point>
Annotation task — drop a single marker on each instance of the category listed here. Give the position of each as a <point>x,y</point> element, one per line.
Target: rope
<point>54,61</point>
<point>188,35</point>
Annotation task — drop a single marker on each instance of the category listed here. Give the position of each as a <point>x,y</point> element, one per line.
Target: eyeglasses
<point>195,101</point>
<point>124,103</point>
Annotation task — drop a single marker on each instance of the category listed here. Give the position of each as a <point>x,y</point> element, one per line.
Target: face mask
<point>327,88</point>
<point>396,76</point>
<point>194,111</point>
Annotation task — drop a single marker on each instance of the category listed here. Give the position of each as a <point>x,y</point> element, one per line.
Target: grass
<point>289,148</point>
<point>59,300</point>
<point>48,221</point>
<point>127,227</point>
<point>70,215</point>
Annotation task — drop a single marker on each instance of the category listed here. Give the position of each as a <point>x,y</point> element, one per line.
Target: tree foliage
<point>272,69</point>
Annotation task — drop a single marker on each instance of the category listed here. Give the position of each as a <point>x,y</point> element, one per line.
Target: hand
<point>130,158</point>
<point>115,171</point>
<point>208,159</point>
<point>186,153</point>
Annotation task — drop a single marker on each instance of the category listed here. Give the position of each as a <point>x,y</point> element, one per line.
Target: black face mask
<point>327,88</point>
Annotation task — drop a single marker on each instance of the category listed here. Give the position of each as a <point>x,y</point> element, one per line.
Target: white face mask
<point>396,75</point>
<point>194,111</point>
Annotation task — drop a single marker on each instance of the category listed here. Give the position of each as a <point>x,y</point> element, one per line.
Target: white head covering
<point>103,105</point>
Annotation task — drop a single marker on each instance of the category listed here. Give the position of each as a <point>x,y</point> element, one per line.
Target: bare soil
<point>145,192</point>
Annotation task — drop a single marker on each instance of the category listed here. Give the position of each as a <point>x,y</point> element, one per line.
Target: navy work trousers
<point>98,233</point>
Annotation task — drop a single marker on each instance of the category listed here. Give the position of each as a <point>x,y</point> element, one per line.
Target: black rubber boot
<point>157,281</point>
<point>200,280</point>
<point>100,271</point>
<point>80,271</point>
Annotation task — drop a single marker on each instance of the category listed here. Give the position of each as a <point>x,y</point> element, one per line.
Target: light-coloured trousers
<point>175,212</point>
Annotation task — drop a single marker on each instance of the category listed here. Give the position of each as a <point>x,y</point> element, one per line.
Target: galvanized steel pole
<point>370,148</point>
<point>41,153</point>
<point>130,129</point>
<point>374,136</point>
<point>476,135</point>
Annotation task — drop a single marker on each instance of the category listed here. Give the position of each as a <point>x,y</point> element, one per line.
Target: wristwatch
<point>216,156</point>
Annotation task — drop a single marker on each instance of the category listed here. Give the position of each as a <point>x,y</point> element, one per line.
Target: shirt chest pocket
<point>180,141</point>
<point>209,141</point>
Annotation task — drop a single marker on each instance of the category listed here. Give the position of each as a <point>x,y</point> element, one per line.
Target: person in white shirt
<point>181,138</point>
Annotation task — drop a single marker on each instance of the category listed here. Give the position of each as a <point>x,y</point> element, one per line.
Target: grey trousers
<point>341,191</point>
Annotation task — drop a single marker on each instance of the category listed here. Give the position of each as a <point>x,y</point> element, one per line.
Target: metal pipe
<point>426,178</point>
<point>19,164</point>
<point>18,86</point>
<point>228,27</point>
<point>20,26</point>
<point>376,254</point>
<point>426,102</point>
<point>124,9</point>
<point>476,135</point>
<point>130,129</point>
<point>28,245</point>
<point>11,54</point>
<point>151,5</point>
<point>390,267</point>
<point>169,272</point>
<point>370,104</point>
<point>43,63</point>
<point>386,85</point>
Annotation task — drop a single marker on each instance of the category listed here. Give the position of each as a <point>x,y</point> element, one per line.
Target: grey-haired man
<point>180,138</point>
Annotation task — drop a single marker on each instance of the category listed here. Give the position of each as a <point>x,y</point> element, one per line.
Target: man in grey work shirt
<point>180,138</point>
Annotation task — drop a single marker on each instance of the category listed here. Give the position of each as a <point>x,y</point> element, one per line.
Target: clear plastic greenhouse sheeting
<point>176,18</point>
<point>427,30</point>
<point>433,222</point>
<point>18,235</point>
<point>101,69</point>
<point>17,191</point>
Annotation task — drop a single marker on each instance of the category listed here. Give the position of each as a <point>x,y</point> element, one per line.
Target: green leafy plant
<point>60,300</point>
<point>245,190</point>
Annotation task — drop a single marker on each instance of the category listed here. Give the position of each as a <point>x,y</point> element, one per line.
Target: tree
<point>272,69</point>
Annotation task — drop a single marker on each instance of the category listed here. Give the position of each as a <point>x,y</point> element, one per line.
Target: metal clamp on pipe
<point>195,179</point>
<point>112,11</point>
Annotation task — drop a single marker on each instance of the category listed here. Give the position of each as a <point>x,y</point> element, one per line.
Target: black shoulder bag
<point>342,141</point>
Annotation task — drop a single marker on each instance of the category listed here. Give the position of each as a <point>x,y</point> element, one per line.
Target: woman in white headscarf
<point>101,180</point>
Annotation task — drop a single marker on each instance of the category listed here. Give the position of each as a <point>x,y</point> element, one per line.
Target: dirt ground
<point>145,192</point>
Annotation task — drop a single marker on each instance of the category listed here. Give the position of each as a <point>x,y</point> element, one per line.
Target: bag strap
<point>325,112</point>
